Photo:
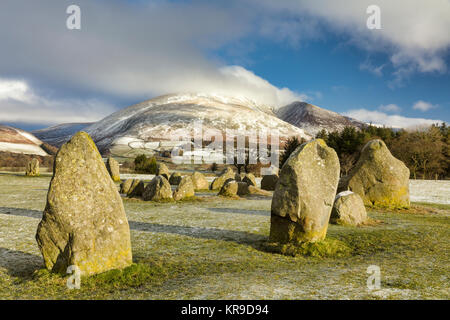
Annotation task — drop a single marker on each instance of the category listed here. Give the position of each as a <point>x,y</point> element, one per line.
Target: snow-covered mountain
<point>59,134</point>
<point>18,141</point>
<point>153,123</point>
<point>313,119</point>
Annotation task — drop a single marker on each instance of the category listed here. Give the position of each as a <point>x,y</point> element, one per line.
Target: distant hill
<point>150,124</point>
<point>14,140</point>
<point>59,134</point>
<point>313,119</point>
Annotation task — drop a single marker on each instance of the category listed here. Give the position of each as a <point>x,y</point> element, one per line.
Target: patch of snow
<point>22,148</point>
<point>430,191</point>
<point>343,194</point>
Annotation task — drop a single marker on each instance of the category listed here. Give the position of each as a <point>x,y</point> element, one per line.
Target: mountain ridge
<point>150,124</point>
<point>313,119</point>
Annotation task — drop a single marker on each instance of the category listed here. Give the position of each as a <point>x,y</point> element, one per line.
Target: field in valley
<point>214,248</point>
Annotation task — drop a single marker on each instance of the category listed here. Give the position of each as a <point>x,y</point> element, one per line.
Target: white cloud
<point>390,108</point>
<point>140,50</point>
<point>414,32</point>
<point>423,106</point>
<point>368,66</point>
<point>381,118</point>
<point>133,51</point>
<point>18,103</point>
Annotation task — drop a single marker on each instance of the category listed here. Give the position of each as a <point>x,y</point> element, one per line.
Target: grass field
<point>213,248</point>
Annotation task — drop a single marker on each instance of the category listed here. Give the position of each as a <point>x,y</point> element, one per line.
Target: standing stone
<point>125,186</point>
<point>175,178</point>
<point>185,189</point>
<point>348,209</point>
<point>199,181</point>
<point>304,196</point>
<point>229,189</point>
<point>32,168</point>
<point>379,178</point>
<point>84,222</point>
<point>162,170</point>
<point>158,189</point>
<point>220,181</point>
<point>269,182</point>
<point>136,189</point>
<point>249,178</point>
<point>113,168</point>
<point>242,189</point>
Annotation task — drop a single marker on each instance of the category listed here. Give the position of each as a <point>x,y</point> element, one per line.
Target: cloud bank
<point>423,106</point>
<point>394,121</point>
<point>137,50</point>
<point>131,51</point>
<point>18,103</point>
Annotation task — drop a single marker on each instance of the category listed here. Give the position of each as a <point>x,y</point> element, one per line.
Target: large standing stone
<point>304,195</point>
<point>113,168</point>
<point>185,189</point>
<point>162,170</point>
<point>32,168</point>
<point>158,189</point>
<point>269,182</point>
<point>348,209</point>
<point>250,179</point>
<point>199,181</point>
<point>379,178</point>
<point>175,178</point>
<point>220,181</point>
<point>84,221</point>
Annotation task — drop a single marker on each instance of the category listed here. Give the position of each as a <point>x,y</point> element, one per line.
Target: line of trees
<point>426,151</point>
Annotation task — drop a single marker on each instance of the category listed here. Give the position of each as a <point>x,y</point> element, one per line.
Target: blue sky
<point>274,52</point>
<point>331,74</point>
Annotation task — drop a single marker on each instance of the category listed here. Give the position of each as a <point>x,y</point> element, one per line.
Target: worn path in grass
<point>213,248</point>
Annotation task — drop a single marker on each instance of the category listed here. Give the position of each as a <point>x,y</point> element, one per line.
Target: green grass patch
<point>321,249</point>
<point>136,275</point>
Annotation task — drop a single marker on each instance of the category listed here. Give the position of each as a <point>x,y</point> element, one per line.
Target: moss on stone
<point>284,230</point>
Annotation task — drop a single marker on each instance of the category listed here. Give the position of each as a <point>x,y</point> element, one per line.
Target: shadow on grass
<point>21,212</point>
<point>240,237</point>
<point>22,174</point>
<point>241,211</point>
<point>20,264</point>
